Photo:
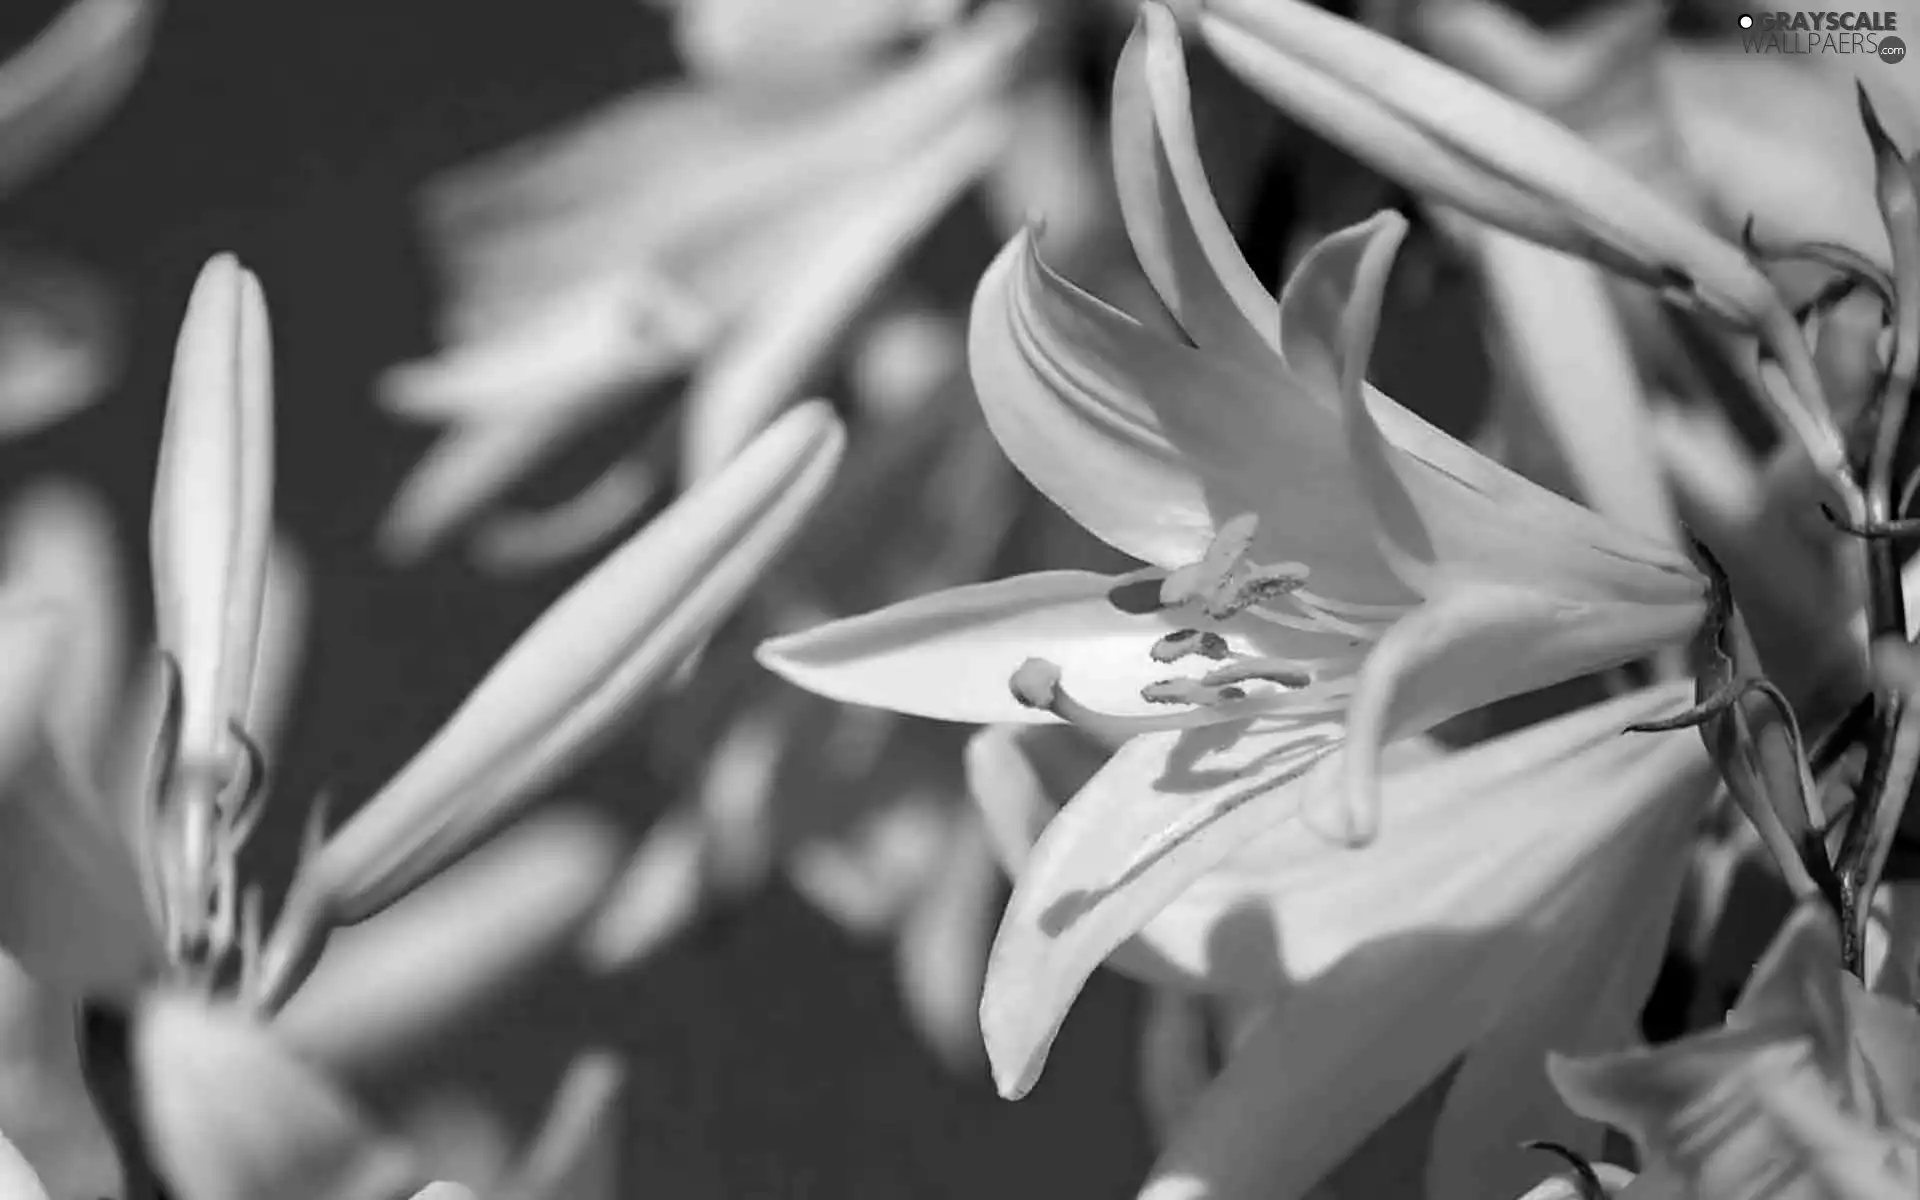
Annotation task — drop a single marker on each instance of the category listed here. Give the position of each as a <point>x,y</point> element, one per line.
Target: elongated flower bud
<point>1445,133</point>
<point>213,505</point>
<point>601,648</point>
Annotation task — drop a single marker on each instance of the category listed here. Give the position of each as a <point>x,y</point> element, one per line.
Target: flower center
<point>1224,584</point>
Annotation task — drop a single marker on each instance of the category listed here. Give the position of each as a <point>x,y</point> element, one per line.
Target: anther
<point>1242,590</point>
<point>1190,691</point>
<point>1224,553</point>
<point>1184,642</point>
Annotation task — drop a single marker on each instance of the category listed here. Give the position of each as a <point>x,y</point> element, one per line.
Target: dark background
<point>772,1059</point>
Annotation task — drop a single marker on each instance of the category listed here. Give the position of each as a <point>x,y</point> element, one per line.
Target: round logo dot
<point>1746,22</point>
<point>1892,49</point>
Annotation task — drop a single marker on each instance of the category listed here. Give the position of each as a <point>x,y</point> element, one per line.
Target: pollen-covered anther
<point>1223,557</point>
<point>1190,691</point>
<point>1182,643</point>
<point>1255,585</point>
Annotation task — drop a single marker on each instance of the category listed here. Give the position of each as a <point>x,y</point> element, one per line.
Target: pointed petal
<point>951,655</point>
<point>787,337</point>
<point>1573,365</point>
<point>1584,996</point>
<point>389,986</point>
<point>229,1114</point>
<point>581,350</point>
<point>62,339</point>
<point>657,897</point>
<point>1409,952</point>
<point>575,1155</point>
<point>1163,811</point>
<point>67,80</point>
<point>442,1190</point>
<point>1150,445</point>
<point>212,509</point>
<point>1178,233</point>
<point>1472,644</point>
<point>1443,507</point>
<point>17,1179</point>
<point>468,468</point>
<point>46,1109</point>
<point>597,651</point>
<point>71,908</point>
<point>1013,802</point>
<point>940,952</point>
<point>59,545</point>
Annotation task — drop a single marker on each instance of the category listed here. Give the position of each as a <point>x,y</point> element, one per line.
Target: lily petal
<point>17,1178</point>
<point>598,650</point>
<point>1442,507</point>
<point>1412,951</point>
<point>390,985</point>
<point>1178,234</point>
<point>46,1108</point>
<point>576,1153</point>
<point>951,655</point>
<point>1165,809</point>
<point>229,1114</point>
<point>71,910</point>
<point>66,81</point>
<point>789,335</point>
<point>754,43</point>
<point>1151,445</point>
<point>1473,644</point>
<point>59,546</point>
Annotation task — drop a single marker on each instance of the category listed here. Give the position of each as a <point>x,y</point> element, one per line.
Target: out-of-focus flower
<point>59,334</point>
<point>1420,557</point>
<point>862,811</point>
<point>125,893</point>
<point>694,225</point>
<point>1808,1090</point>
<point>762,43</point>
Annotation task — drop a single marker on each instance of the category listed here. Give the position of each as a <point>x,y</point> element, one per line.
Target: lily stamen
<point>1182,643</point>
<point>1223,556</point>
<point>1191,691</point>
<point>1282,671</point>
<point>1037,685</point>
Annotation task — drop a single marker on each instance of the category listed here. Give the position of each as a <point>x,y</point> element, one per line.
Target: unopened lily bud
<point>213,506</point>
<point>605,645</point>
<point>1463,143</point>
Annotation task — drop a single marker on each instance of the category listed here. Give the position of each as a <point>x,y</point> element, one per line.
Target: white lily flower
<point>688,222</point>
<point>1419,557</point>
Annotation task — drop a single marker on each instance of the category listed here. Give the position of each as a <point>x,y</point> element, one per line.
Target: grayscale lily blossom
<point>122,887</point>
<point>1256,677</point>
